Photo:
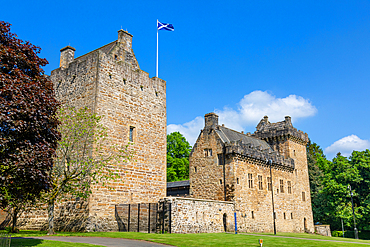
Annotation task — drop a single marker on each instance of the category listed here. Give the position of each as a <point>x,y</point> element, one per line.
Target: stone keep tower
<point>110,82</point>
<point>233,166</point>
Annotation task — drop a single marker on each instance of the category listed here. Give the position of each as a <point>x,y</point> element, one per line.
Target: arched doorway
<point>224,219</point>
<point>305,224</point>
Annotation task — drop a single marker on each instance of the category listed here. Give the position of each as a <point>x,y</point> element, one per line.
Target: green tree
<point>83,158</point>
<point>315,177</point>
<point>178,151</point>
<point>28,125</point>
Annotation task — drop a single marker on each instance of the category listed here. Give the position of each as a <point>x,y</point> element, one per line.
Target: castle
<point>230,172</point>
<point>259,172</point>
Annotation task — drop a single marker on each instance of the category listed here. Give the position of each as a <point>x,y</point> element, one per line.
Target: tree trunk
<point>51,217</point>
<point>14,219</point>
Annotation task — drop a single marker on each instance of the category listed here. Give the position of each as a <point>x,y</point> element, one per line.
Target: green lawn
<point>46,243</point>
<point>203,239</point>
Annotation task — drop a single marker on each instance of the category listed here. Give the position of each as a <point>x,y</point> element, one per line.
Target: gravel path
<point>109,242</point>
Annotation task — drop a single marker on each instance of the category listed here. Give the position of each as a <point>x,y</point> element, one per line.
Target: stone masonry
<point>110,82</point>
<point>232,166</point>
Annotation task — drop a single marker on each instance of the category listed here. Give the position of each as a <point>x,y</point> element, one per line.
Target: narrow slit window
<point>284,217</point>
<point>195,169</point>
<point>220,181</point>
<point>237,180</point>
<point>303,196</point>
<point>291,215</point>
<point>252,215</point>
<point>131,135</point>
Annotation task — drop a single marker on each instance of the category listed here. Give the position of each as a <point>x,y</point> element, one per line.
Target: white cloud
<point>346,145</point>
<point>190,129</point>
<point>250,110</point>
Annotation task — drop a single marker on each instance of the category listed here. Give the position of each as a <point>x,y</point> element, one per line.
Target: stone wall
<point>190,215</point>
<point>323,230</point>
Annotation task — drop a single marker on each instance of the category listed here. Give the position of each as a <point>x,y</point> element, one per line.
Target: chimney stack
<point>211,120</point>
<point>67,55</point>
<point>125,38</point>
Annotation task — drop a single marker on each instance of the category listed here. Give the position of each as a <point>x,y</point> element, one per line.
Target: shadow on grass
<point>17,242</point>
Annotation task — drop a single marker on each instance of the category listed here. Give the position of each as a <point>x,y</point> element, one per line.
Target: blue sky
<point>241,59</point>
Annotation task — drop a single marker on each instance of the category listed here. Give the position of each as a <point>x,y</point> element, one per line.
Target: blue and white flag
<point>165,26</point>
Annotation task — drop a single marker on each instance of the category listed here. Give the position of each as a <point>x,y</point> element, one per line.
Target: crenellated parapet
<point>258,155</point>
<point>279,132</point>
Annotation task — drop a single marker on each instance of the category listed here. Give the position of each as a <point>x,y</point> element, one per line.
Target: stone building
<point>231,166</point>
<point>110,82</point>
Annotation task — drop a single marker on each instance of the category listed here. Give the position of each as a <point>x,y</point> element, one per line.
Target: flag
<point>165,26</point>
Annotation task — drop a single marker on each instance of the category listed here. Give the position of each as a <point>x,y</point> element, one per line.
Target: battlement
<point>259,154</point>
<point>281,130</point>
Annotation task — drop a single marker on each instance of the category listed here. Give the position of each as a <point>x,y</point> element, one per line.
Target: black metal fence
<point>144,217</point>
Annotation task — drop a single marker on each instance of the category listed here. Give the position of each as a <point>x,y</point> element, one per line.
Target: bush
<point>365,234</point>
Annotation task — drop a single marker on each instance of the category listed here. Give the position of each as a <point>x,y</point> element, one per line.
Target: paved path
<point>326,240</point>
<point>109,242</point>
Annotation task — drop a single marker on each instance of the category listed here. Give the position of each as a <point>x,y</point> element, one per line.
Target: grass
<point>202,239</point>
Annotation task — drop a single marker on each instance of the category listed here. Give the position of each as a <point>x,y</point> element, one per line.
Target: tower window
<point>260,185</point>
<point>252,215</point>
<point>220,181</point>
<point>291,215</point>
<point>237,180</point>
<point>269,184</point>
<point>289,187</point>
<point>250,180</point>
<point>303,196</point>
<point>195,169</point>
<point>131,134</point>
<point>281,186</point>
<point>284,217</point>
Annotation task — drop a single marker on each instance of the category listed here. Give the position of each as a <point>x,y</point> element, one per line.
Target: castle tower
<point>110,82</point>
<point>291,143</point>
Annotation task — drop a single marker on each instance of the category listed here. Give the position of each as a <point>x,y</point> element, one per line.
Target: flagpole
<point>156,74</point>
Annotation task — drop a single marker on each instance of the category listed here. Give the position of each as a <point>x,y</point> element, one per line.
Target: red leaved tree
<point>28,124</point>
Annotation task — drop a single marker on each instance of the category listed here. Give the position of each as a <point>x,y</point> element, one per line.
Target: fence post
<point>169,222</point>
<point>149,219</point>
<point>138,217</point>
<point>163,217</point>
<point>156,217</point>
<point>129,218</point>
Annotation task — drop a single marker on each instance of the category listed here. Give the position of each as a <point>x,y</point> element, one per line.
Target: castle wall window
<point>220,181</point>
<point>131,134</point>
<point>220,158</point>
<point>303,196</point>
<point>291,215</point>
<point>237,180</point>
<point>195,169</point>
<point>284,217</point>
<point>289,187</point>
<point>269,185</point>
<point>281,186</point>
<point>252,215</point>
<point>207,152</point>
<point>250,180</point>
<point>260,185</point>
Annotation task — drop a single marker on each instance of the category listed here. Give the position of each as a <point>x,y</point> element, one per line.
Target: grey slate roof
<point>184,183</point>
<point>228,135</point>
